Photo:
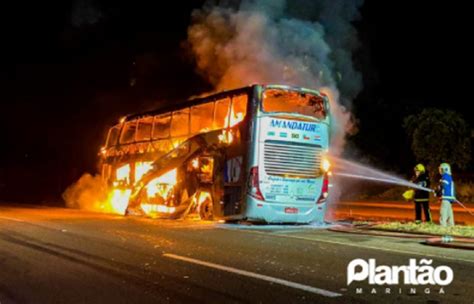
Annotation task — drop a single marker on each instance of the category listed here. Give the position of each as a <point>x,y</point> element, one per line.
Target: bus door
<point>233,185</point>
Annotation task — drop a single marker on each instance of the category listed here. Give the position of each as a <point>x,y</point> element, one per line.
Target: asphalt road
<point>53,255</point>
<point>396,210</point>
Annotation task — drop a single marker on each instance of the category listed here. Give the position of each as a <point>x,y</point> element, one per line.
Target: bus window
<point>180,123</point>
<point>277,100</point>
<point>201,117</point>
<point>161,127</point>
<point>144,128</point>
<point>113,136</point>
<point>128,132</point>
<point>221,114</point>
<point>239,109</point>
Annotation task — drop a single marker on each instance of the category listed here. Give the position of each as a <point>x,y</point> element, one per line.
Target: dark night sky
<point>65,77</point>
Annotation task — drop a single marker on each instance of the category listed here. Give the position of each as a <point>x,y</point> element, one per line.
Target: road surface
<point>396,210</point>
<point>54,255</point>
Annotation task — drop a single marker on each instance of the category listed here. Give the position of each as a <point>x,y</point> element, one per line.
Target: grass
<point>464,231</point>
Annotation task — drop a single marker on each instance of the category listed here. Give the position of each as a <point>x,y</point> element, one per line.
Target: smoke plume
<point>88,193</point>
<point>300,43</point>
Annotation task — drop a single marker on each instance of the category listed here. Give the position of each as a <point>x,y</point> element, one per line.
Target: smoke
<point>88,193</point>
<point>85,13</point>
<point>298,43</point>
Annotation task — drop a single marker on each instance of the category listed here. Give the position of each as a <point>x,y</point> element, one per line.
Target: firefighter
<point>421,197</point>
<point>446,191</point>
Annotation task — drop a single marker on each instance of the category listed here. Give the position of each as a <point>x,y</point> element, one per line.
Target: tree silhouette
<point>439,136</point>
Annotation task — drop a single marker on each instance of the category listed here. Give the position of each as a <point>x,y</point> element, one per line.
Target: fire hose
<point>465,208</point>
<point>459,203</point>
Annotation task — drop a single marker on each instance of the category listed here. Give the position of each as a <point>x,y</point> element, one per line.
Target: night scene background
<point>71,69</point>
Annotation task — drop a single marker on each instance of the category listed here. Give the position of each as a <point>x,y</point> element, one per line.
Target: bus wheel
<point>206,211</point>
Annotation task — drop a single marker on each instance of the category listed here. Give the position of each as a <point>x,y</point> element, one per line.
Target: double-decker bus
<point>255,153</point>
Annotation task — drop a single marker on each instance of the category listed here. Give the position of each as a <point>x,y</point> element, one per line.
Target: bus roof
<point>189,102</point>
<point>216,96</point>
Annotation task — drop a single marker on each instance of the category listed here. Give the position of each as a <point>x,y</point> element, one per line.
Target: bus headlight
<point>325,165</point>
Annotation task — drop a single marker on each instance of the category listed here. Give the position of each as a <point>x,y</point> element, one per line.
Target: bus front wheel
<point>206,211</point>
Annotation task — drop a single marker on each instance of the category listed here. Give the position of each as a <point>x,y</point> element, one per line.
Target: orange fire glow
<point>195,163</point>
<point>203,196</point>
<point>234,118</point>
<point>226,137</point>
<point>123,173</point>
<point>150,208</point>
<point>117,201</point>
<point>162,185</point>
<point>141,168</point>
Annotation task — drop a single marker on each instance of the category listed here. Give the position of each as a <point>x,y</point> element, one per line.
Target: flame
<point>177,141</point>
<point>117,201</point>
<point>234,118</point>
<point>226,137</point>
<point>123,173</point>
<point>149,208</point>
<point>195,163</point>
<point>203,196</point>
<point>141,168</point>
<point>206,168</point>
<point>162,185</point>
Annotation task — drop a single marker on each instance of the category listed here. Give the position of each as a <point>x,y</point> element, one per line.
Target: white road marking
<point>254,275</point>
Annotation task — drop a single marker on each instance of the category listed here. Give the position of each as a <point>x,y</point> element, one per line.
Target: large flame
<point>234,118</point>
<point>118,198</point>
<point>162,185</point>
<point>227,137</point>
<point>118,201</point>
<point>141,168</point>
<point>123,173</point>
<point>151,208</point>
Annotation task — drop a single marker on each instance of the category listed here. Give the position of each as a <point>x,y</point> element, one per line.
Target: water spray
<point>384,180</point>
<point>359,171</point>
<point>362,169</point>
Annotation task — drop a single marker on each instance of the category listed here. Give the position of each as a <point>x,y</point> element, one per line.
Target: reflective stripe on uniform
<point>422,199</point>
<point>448,197</point>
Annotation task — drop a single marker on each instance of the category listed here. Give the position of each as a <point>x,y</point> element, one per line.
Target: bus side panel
<point>251,149</point>
<point>235,169</point>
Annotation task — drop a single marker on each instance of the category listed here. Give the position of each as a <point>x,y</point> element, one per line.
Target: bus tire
<point>206,210</point>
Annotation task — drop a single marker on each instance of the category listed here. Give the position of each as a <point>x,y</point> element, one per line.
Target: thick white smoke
<point>300,43</point>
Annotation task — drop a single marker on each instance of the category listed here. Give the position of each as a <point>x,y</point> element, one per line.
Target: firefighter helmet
<point>445,168</point>
<point>420,168</point>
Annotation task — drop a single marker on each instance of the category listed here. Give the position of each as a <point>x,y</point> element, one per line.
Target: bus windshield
<point>278,100</point>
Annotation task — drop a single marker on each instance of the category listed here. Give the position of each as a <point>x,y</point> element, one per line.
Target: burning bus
<point>256,153</point>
